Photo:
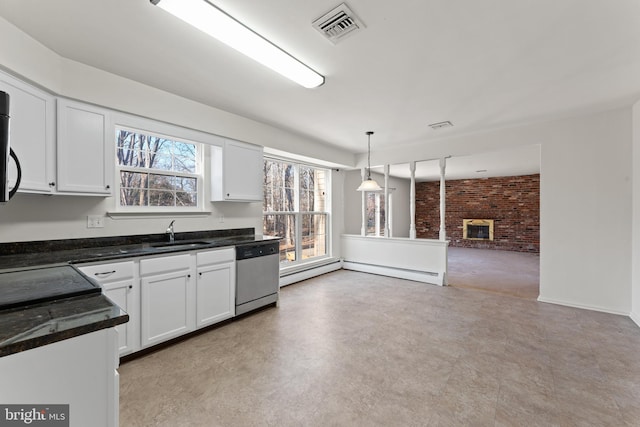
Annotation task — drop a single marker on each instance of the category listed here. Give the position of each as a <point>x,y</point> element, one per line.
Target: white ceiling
<point>479,64</point>
<point>523,160</point>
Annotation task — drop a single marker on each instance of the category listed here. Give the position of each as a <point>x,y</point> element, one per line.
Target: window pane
<point>314,235</point>
<point>319,191</point>
<point>184,164</point>
<point>282,225</point>
<point>375,214</point>
<point>161,181</point>
<point>312,190</point>
<point>306,204</point>
<point>186,184</point>
<point>184,198</point>
<point>161,198</point>
<point>147,151</point>
<point>279,187</point>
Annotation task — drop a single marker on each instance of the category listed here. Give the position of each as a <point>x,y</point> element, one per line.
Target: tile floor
<point>353,349</point>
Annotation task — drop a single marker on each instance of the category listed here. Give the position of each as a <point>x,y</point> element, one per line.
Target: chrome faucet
<point>169,231</point>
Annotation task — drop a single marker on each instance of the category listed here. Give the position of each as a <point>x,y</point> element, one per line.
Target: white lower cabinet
<point>167,289</point>
<point>168,295</point>
<point>215,289</point>
<point>120,283</point>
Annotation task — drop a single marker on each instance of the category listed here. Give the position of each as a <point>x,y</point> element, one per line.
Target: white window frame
<point>172,132</point>
<point>298,214</point>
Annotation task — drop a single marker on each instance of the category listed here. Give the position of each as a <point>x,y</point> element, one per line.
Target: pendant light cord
<point>369,133</point>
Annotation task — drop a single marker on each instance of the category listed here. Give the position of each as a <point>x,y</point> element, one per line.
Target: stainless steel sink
<point>179,245</point>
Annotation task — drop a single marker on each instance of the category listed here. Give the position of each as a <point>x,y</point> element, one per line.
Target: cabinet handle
<point>130,286</point>
<point>108,187</point>
<point>104,273</point>
<point>188,276</point>
<point>52,184</point>
<point>200,274</point>
<point>228,194</point>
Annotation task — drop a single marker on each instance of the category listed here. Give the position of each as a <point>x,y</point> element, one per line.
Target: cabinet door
<point>165,307</point>
<point>32,124</point>
<point>215,294</point>
<point>122,293</point>
<point>119,282</point>
<point>84,160</point>
<point>241,175</point>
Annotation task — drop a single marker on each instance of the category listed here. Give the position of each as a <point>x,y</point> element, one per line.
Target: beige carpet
<point>508,273</point>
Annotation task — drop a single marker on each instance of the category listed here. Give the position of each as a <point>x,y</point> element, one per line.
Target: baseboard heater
<point>289,278</point>
<point>433,278</point>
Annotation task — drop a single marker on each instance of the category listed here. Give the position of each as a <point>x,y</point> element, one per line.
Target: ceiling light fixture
<point>440,125</point>
<point>369,184</point>
<point>213,21</point>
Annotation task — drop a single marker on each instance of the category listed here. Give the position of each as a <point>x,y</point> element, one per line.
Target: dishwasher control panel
<point>257,250</point>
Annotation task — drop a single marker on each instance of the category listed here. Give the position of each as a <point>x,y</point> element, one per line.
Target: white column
<point>443,229</point>
<point>376,219</point>
<point>412,202</point>
<point>386,201</point>
<point>363,227</point>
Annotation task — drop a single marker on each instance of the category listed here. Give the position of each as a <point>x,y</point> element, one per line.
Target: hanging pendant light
<point>369,184</point>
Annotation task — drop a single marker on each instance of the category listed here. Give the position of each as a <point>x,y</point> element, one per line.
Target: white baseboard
<point>582,306</point>
<point>418,276</point>
<point>310,273</point>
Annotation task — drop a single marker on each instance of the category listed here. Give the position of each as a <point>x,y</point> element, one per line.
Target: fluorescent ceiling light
<point>208,18</point>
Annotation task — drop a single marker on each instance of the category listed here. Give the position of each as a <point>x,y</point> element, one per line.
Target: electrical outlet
<point>95,221</point>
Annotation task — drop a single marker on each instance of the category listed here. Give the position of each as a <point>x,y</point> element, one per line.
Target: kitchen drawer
<point>165,264</point>
<point>216,256</point>
<point>109,272</point>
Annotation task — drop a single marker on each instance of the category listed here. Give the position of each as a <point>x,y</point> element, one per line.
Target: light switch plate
<point>95,221</point>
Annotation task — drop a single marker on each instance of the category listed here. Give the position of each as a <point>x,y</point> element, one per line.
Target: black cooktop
<point>26,287</point>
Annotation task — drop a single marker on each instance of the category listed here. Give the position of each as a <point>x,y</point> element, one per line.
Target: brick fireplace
<point>511,204</point>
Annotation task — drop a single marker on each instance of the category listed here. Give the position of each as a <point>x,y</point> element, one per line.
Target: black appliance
<point>6,152</point>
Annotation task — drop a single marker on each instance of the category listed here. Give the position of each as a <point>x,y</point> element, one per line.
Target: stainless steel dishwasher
<point>257,275</point>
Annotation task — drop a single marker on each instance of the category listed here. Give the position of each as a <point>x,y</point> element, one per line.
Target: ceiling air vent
<point>440,125</point>
<point>338,23</point>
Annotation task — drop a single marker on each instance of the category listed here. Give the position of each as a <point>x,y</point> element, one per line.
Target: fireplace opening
<point>477,229</point>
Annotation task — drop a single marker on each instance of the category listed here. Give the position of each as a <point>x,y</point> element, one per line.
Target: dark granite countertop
<point>36,325</point>
<point>37,322</point>
<point>97,250</point>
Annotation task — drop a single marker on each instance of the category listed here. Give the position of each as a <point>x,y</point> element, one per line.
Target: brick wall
<point>512,202</point>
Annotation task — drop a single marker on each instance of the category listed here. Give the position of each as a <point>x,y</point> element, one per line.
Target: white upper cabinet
<point>236,172</point>
<point>85,154</point>
<point>32,127</point>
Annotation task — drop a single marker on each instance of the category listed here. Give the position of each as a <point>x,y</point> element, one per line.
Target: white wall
<point>585,201</point>
<point>635,267</point>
